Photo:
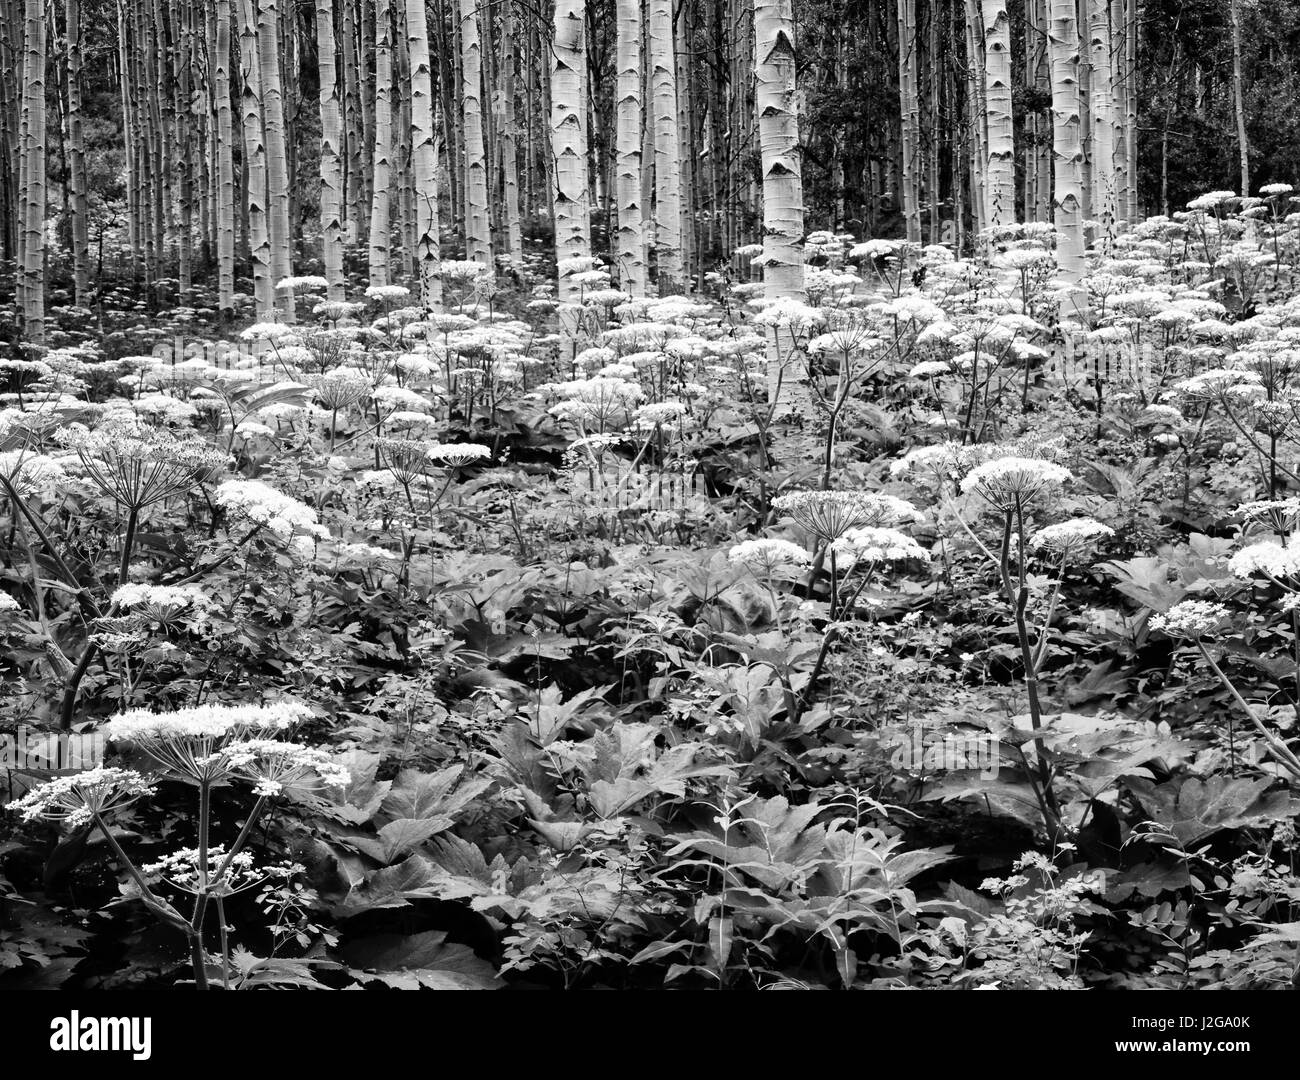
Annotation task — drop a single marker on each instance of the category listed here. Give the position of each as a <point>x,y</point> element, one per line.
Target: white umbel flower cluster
<point>161,598</point>
<point>225,874</point>
<point>455,455</point>
<point>870,545</point>
<point>1068,537</point>
<point>211,723</point>
<point>263,505</point>
<point>31,474</point>
<point>830,514</point>
<point>78,798</point>
<point>1007,482</point>
<point>767,555</point>
<point>1267,557</point>
<point>273,767</point>
<point>1191,619</point>
<point>1281,515</point>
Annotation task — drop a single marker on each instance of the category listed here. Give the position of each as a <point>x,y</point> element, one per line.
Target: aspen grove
<point>649,494</point>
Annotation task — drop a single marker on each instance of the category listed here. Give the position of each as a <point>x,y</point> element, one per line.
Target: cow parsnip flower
<point>830,514</point>
<point>1269,558</point>
<point>276,512</point>
<point>79,797</point>
<point>870,545</point>
<point>274,767</point>
<point>161,603</point>
<point>138,469</point>
<point>456,455</point>
<point>1070,537</point>
<point>1281,515</point>
<point>31,473</point>
<point>767,555</point>
<point>1191,619</point>
<point>1008,482</point>
<point>224,876</point>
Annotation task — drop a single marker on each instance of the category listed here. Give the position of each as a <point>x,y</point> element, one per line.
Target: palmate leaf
<point>418,961</point>
<point>254,971</point>
<point>1014,800</point>
<point>666,776</point>
<point>390,887</point>
<point>548,717</point>
<point>397,838</point>
<point>1193,809</point>
<point>416,794</point>
<point>1146,580</point>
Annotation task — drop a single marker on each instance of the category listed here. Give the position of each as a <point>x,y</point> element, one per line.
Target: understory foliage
<point>432,651</point>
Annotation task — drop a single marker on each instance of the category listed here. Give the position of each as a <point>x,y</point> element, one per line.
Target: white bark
<point>478,228</point>
<point>569,137</point>
<point>910,131</point>
<point>225,140</point>
<point>631,233</point>
<point>382,163</point>
<point>277,167</point>
<point>778,136</point>
<point>250,111</point>
<point>32,202</point>
<point>783,266</point>
<point>424,157</point>
<point>1102,114</point>
<point>1000,172</point>
<point>1067,151</point>
<point>668,193</point>
<point>331,141</point>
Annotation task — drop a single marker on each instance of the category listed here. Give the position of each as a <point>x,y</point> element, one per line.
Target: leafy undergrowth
<point>513,661</point>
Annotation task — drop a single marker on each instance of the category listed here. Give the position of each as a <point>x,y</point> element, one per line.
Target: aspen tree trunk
<point>935,127</point>
<point>778,133</point>
<point>277,169</point>
<point>32,204</point>
<point>569,150</point>
<point>1102,115</point>
<point>691,266</point>
<point>424,158</point>
<point>1133,211</point>
<point>778,139</point>
<point>77,158</point>
<point>331,143</point>
<point>353,163</point>
<point>1120,92</point>
<point>130,138</point>
<point>1000,173</point>
<point>910,125</point>
<point>630,246</point>
<point>445,67</point>
<point>250,108</point>
<point>648,164</point>
<point>977,150</point>
<point>1085,117</point>
<point>1239,96</point>
<point>382,162</point>
<point>402,144</point>
<point>668,195</point>
<point>181,149</point>
<point>508,125</point>
<point>1036,60</point>
<point>478,228</point>
<point>1067,153</point>
<point>225,136</point>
